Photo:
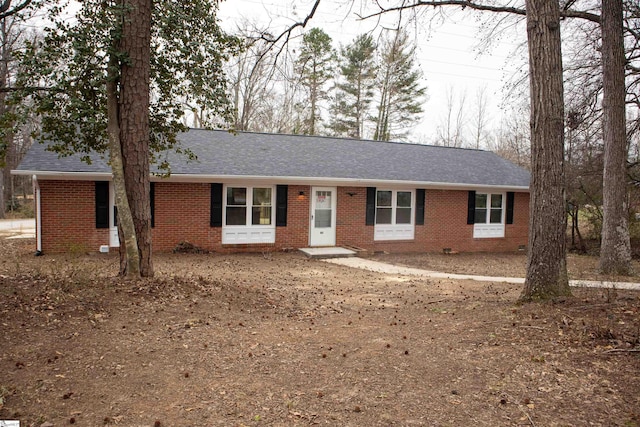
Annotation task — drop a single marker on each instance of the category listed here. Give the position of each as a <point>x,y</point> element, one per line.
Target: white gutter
<point>356,182</point>
<point>72,176</point>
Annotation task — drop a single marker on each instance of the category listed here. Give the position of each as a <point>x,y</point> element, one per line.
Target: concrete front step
<point>329,252</point>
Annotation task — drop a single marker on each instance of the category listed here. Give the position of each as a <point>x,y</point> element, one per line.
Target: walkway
<point>381,267</point>
<point>18,228</point>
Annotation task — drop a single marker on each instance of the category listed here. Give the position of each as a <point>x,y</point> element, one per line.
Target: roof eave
<point>357,182</point>
<point>71,176</point>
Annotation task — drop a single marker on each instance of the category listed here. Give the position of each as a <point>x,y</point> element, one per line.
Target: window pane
<point>404,199</point>
<point>261,215</point>
<point>261,197</point>
<point>383,198</point>
<point>236,215</point>
<point>481,216</point>
<point>323,199</point>
<point>383,216</point>
<point>496,216</point>
<point>236,196</point>
<point>481,201</point>
<point>496,200</point>
<point>403,216</point>
<point>322,218</point>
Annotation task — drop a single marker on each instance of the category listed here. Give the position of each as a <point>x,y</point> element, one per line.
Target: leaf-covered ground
<point>280,340</point>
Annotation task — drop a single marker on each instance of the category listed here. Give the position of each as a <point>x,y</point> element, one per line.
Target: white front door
<point>323,216</point>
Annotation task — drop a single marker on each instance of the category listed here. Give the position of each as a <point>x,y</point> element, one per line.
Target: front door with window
<point>323,216</point>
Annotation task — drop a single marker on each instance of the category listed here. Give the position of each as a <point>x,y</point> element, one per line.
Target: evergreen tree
<point>354,93</point>
<point>110,81</point>
<point>401,94</point>
<point>315,68</point>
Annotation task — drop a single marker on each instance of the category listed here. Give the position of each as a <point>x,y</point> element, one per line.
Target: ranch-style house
<point>257,191</point>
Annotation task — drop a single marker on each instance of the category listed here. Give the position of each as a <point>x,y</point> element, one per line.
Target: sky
<point>449,53</point>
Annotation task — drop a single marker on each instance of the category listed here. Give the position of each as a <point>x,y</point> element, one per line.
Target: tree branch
<point>288,31</point>
<point>569,13</point>
<point>28,89</point>
<point>6,10</point>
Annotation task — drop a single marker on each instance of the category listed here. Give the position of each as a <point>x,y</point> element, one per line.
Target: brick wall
<point>69,218</point>
<point>445,224</point>
<point>182,213</point>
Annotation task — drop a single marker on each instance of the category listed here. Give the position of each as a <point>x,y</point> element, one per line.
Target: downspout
<point>36,191</point>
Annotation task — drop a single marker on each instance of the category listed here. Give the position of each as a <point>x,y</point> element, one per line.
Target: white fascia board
<point>337,182</point>
<point>70,176</point>
<point>247,179</point>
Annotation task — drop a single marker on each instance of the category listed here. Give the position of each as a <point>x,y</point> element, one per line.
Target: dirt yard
<point>280,340</point>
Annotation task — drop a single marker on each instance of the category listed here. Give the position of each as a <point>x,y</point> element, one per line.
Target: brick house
<point>255,191</point>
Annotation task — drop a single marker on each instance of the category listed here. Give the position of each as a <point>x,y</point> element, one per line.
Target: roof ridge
<point>341,138</point>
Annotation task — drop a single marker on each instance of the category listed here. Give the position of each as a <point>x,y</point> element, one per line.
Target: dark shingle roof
<point>221,153</point>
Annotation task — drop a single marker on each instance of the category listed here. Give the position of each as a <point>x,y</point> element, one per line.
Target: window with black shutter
<point>102,204</point>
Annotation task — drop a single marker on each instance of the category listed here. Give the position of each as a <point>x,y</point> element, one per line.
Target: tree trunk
<point>134,121</point>
<point>615,250</point>
<point>546,262</point>
<point>129,256</point>
<point>2,202</point>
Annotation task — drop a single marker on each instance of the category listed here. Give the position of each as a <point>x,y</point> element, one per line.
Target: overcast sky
<point>448,53</point>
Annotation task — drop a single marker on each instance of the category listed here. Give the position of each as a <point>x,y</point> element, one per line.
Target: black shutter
<point>420,206</point>
<point>371,206</point>
<point>216,205</point>
<point>152,202</point>
<point>282,198</point>
<point>102,204</point>
<point>471,208</point>
<point>510,197</point>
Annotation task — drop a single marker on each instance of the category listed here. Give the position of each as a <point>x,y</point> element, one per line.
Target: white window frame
<point>395,231</point>
<point>490,230</point>
<point>248,233</point>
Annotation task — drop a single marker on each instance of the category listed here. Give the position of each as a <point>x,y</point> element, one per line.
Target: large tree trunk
<point>546,262</point>
<point>134,121</point>
<point>615,251</point>
<point>129,256</point>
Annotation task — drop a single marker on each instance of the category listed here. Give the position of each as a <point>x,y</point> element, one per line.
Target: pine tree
<point>354,93</point>
<point>401,94</point>
<point>315,68</point>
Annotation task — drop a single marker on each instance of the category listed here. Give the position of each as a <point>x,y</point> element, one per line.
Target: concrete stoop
<point>328,252</point>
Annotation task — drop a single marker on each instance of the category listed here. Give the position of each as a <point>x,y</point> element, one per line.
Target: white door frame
<point>322,236</point>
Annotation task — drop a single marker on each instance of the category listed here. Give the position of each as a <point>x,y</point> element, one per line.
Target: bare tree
<point>546,262</point>
<point>12,146</point>
<point>480,119</point>
<point>451,129</point>
<point>615,249</point>
<point>513,138</point>
<point>253,77</point>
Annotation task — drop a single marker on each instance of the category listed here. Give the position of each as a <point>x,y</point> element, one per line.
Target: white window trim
<point>249,233</point>
<point>488,230</point>
<point>395,231</point>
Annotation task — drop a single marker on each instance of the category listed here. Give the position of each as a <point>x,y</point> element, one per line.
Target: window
<point>488,215</point>
<point>488,209</point>
<point>393,207</point>
<point>248,215</point>
<point>239,206</point>
<point>384,208</point>
<point>261,213</point>
<point>394,215</point>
